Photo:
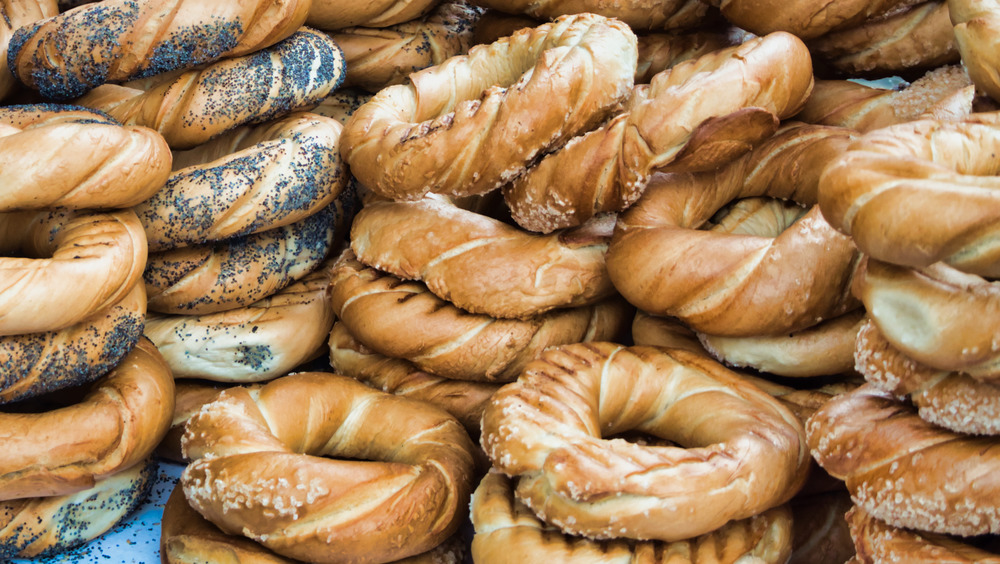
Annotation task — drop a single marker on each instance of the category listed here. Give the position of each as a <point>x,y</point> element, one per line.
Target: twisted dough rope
<point>976,24</point>
<point>638,14</point>
<point>805,19</point>
<point>189,108</point>
<point>13,15</point>
<point>507,532</point>
<point>752,86</point>
<point>103,254</point>
<point>472,123</point>
<point>248,180</point>
<point>747,452</point>
<point>876,541</point>
<point>262,467</point>
<point>71,157</point>
<point>117,40</point>
<point>336,14</point>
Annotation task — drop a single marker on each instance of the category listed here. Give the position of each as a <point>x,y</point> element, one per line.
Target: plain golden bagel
<point>804,19</point>
<point>336,14</point>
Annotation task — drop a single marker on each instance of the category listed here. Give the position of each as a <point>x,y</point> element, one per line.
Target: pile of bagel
<point>467,280</point>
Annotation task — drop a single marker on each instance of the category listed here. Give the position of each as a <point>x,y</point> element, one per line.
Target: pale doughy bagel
<point>976,25</point>
<point>710,279</point>
<point>483,265</point>
<point>337,14</point>
<point>36,363</point>
<point>246,181</point>
<point>115,426</point>
<point>58,268</point>
<point>404,320</point>
<point>507,532</point>
<point>920,192</point>
<point>191,107</point>
<point>472,123</point>
<point>16,14</point>
<point>547,428</point>
<point>118,40</point>
<point>805,19</point>
<point>638,14</point>
<point>909,473</point>
<point>876,541</point>
<point>261,469</point>
<point>673,122</point>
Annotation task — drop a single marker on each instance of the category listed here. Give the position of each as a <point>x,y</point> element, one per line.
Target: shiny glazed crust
<point>876,541</point>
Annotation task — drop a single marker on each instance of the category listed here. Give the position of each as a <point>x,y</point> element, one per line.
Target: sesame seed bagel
<point>741,452</point>
<point>876,541</point>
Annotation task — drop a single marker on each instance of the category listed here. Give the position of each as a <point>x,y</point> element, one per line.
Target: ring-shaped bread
<point>875,541</point>
<point>921,192</point>
<point>33,364</point>
<point>977,33</point>
<point>481,264</point>
<point>263,467</point>
<point>191,107</point>
<point>55,156</point>
<point>507,532</point>
<point>336,14</point>
<point>117,40</point>
<point>472,123</point>
<point>638,14</point>
<point>710,279</point>
<point>804,19</point>
<point>741,452</point>
<point>114,426</point>
<point>58,268</point>
<point>16,15</point>
<point>909,473</point>
<point>245,181</point>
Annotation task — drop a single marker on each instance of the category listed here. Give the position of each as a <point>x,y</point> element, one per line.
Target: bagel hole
<point>57,399</point>
<point>641,439</point>
<point>761,217</point>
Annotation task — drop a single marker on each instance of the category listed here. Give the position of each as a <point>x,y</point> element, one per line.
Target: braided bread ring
<point>103,254</point>
<point>638,14</point>
<point>337,14</point>
<point>921,192</point>
<point>116,425</point>
<point>924,477</point>
<point>546,428</point>
<point>118,40</point>
<point>259,469</point>
<point>976,23</point>
<point>191,107</point>
<point>247,181</point>
<point>470,124</point>
<point>13,15</point>
<point>507,532</point>
<point>876,541</point>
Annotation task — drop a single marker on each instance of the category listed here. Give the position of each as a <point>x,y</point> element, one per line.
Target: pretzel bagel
<point>119,40</point>
<point>115,426</point>
<point>546,429</point>
<point>262,469</point>
<point>472,123</point>
<point>247,181</point>
<point>103,254</point>
<point>976,24</point>
<point>709,279</point>
<point>924,477</point>
<point>921,192</point>
<point>875,541</point>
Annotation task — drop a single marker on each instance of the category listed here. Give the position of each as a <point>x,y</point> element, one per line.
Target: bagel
<point>37,363</point>
<point>335,14</point>
<point>115,426</point>
<point>102,254</point>
<point>480,264</point>
<point>547,429</point>
<point>910,473</point>
<point>404,320</point>
<point>259,469</point>
<point>805,19</point>
<point>117,40</point>
<point>246,181</point>
<point>470,124</point>
<point>876,541</point>
<point>638,14</point>
<point>249,344</point>
<point>191,107</point>
<point>976,35</point>
<point>710,279</point>
<point>673,122</point>
<point>942,172</point>
<point>16,15</point>
<point>508,532</point>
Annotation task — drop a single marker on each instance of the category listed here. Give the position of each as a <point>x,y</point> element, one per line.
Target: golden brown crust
<point>976,23</point>
<point>546,429</point>
<point>638,14</point>
<point>336,14</point>
<point>189,396</point>
<point>876,541</point>
<point>660,51</point>
<point>260,469</point>
<point>805,19</point>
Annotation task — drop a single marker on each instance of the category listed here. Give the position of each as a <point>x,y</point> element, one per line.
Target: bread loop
<point>113,41</point>
<point>260,469</point>
<point>36,363</point>
<point>46,526</point>
<point>472,123</point>
<point>480,264</point>
<point>942,172</point>
<point>334,14</point>
<point>709,279</point>
<point>976,25</point>
<point>507,532</point>
<point>673,123</point>
<point>189,108</point>
<point>876,541</point>
<point>638,14</point>
<point>80,263</point>
<point>805,19</point>
<point>547,430</point>
<point>249,344</point>
<point>247,181</point>
<point>115,426</point>
<point>924,478</point>
<point>15,15</point>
